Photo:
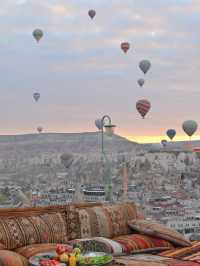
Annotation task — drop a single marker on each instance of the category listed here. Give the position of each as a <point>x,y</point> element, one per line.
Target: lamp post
<point>109,130</point>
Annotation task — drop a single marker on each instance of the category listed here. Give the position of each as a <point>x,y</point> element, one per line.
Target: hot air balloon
<point>92,13</point>
<point>164,142</point>
<point>190,127</point>
<point>39,129</point>
<point>98,124</point>
<point>144,65</point>
<point>36,96</point>
<point>66,159</point>
<point>38,34</point>
<point>125,46</point>
<point>171,133</point>
<point>141,82</point>
<point>143,106</point>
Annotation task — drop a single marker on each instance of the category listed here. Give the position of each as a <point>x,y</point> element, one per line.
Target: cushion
<point>10,258</point>
<point>159,230</point>
<point>17,232</point>
<point>31,250</point>
<point>98,244</point>
<point>133,242</point>
<point>100,221</point>
<point>151,260</point>
<point>188,253</point>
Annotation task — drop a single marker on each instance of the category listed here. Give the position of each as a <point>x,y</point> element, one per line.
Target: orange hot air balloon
<point>125,46</point>
<point>143,107</point>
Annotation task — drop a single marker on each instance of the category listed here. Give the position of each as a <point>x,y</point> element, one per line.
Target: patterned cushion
<point>32,250</point>
<point>10,258</point>
<point>151,260</point>
<point>17,232</point>
<point>135,242</point>
<point>98,244</point>
<point>189,253</point>
<point>159,230</point>
<point>103,221</point>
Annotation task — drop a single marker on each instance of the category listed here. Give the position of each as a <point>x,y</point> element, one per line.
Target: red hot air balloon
<point>92,13</point>
<point>125,46</point>
<point>143,107</point>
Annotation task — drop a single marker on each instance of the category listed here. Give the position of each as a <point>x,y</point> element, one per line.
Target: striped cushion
<point>100,221</point>
<point>10,258</point>
<point>32,250</point>
<point>159,230</point>
<point>188,253</point>
<point>135,242</point>
<point>22,231</point>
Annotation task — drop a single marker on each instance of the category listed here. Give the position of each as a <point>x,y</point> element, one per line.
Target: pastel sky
<point>82,74</point>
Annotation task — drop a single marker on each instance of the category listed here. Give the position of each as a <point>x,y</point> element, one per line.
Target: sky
<point>82,74</point>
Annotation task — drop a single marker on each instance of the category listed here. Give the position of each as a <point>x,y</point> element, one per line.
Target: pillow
<point>17,232</point>
<point>10,258</point>
<point>100,221</point>
<point>159,230</point>
<point>98,244</point>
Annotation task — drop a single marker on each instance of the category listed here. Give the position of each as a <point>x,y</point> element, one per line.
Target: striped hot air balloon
<point>143,106</point>
<point>125,46</point>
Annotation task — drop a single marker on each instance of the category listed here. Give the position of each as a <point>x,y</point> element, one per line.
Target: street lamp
<point>109,130</point>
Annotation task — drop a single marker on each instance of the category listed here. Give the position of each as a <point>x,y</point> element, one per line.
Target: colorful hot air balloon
<point>164,142</point>
<point>141,82</point>
<point>125,46</point>
<point>38,34</point>
<point>171,133</point>
<point>36,96</point>
<point>144,65</point>
<point>39,129</point>
<point>98,124</point>
<point>143,106</point>
<point>190,127</point>
<point>92,13</point>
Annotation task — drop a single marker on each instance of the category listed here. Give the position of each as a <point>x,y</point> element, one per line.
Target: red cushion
<point>133,242</point>
<point>10,258</point>
<point>31,250</point>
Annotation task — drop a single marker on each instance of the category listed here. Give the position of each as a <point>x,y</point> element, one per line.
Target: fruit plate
<point>35,260</point>
<point>95,258</point>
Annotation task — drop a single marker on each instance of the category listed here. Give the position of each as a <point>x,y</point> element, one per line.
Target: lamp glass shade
<point>109,130</point>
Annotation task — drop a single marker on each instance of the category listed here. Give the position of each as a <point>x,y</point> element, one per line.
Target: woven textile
<point>189,253</point>
<point>100,221</point>
<point>159,230</point>
<point>150,260</point>
<point>135,242</point>
<point>10,258</point>
<point>72,222</point>
<point>32,250</point>
<point>22,231</point>
<point>98,244</point>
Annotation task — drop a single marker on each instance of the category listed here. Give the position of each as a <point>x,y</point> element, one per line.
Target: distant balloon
<point>92,13</point>
<point>36,96</point>
<point>164,142</point>
<point>144,65</point>
<point>38,34</point>
<point>39,129</point>
<point>143,107</point>
<point>98,124</point>
<point>125,46</point>
<point>171,133</point>
<point>141,82</point>
<point>67,159</point>
<point>190,127</point>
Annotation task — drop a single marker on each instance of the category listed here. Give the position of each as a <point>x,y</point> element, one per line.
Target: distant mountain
<point>33,144</point>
